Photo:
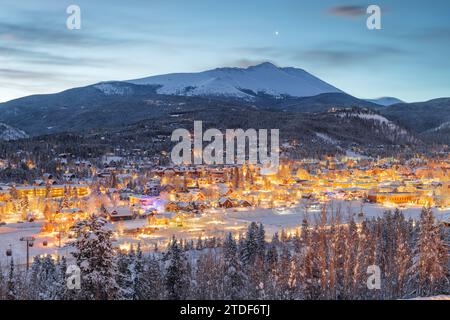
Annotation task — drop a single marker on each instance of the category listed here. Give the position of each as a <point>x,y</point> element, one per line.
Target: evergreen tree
<point>432,257</point>
<point>11,293</point>
<point>61,291</point>
<point>95,256</point>
<point>284,279</point>
<point>125,275</point>
<point>209,277</point>
<point>154,287</point>
<point>140,283</point>
<point>176,278</point>
<point>249,250</point>
<point>235,280</point>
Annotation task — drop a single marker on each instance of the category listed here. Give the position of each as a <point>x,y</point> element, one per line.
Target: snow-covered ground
<point>11,234</point>
<point>215,222</point>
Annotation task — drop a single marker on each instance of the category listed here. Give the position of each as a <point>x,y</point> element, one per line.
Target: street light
<point>30,242</point>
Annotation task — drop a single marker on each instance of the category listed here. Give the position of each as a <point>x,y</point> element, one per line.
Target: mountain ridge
<point>112,104</point>
<point>385,101</point>
<point>243,83</point>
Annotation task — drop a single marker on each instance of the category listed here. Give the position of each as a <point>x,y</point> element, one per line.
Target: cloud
<point>23,74</point>
<point>349,11</point>
<point>437,34</point>
<point>40,57</point>
<point>40,33</point>
<point>348,53</point>
<point>332,54</point>
<point>34,42</point>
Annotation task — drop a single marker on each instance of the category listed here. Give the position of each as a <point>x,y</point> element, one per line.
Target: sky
<point>120,40</point>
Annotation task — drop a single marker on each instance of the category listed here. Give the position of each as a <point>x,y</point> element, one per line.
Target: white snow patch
<point>233,82</point>
<point>112,89</point>
<point>445,125</point>
<point>9,133</point>
<point>327,138</point>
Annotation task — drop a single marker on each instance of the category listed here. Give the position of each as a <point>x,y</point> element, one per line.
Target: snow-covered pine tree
<point>271,265</point>
<point>403,259</point>
<point>154,284</point>
<point>2,284</point>
<point>351,261</point>
<point>43,278</point>
<point>11,290</point>
<point>208,277</point>
<point>140,283</point>
<point>95,256</point>
<point>177,277</point>
<point>431,261</point>
<point>275,239</point>
<point>261,242</point>
<point>61,291</point>
<point>250,245</point>
<point>285,280</point>
<point>125,275</point>
<point>235,280</point>
<point>33,278</point>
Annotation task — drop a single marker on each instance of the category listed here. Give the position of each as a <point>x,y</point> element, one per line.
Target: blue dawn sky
<point>409,58</point>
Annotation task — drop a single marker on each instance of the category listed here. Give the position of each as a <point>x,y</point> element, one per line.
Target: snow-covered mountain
<point>245,83</point>
<point>8,133</point>
<point>385,101</point>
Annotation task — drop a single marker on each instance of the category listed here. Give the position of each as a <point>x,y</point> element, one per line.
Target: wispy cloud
<point>428,34</point>
<point>24,74</point>
<point>333,54</point>
<point>349,11</point>
<point>39,33</point>
<point>351,53</point>
<point>41,57</point>
<point>35,43</point>
<point>348,53</point>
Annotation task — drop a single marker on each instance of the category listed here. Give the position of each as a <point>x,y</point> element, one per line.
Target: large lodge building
<point>399,198</point>
<point>52,191</point>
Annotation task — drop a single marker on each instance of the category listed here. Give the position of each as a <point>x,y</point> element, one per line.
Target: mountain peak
<point>244,83</point>
<point>264,65</point>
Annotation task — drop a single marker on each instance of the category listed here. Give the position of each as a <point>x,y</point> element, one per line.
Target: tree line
<point>319,261</point>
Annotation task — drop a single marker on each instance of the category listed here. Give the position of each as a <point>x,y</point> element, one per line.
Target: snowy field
<point>215,222</point>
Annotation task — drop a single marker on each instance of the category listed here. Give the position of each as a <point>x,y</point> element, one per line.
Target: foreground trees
<point>321,261</point>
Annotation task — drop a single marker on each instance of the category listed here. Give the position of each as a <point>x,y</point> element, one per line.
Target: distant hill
<point>337,129</point>
<point>385,101</point>
<point>112,104</point>
<point>420,116</point>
